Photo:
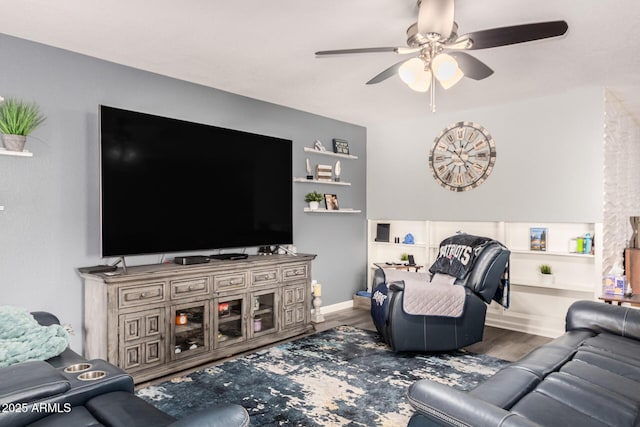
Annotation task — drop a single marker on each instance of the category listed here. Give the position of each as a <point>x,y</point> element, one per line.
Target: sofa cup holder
<point>78,367</point>
<point>91,375</point>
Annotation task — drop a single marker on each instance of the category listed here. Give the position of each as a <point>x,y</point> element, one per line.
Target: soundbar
<point>231,256</point>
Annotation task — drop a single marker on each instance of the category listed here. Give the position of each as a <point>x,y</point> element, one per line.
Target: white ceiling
<point>265,49</point>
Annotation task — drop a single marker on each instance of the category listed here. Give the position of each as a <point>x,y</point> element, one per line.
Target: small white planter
<point>314,205</point>
<point>548,279</point>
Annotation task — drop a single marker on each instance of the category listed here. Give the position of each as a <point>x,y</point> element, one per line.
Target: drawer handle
<point>143,295</point>
<point>231,282</point>
<point>299,272</point>
<point>266,276</point>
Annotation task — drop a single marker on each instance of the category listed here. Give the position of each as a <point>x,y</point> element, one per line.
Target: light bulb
<point>446,70</point>
<point>413,73</point>
<point>422,83</point>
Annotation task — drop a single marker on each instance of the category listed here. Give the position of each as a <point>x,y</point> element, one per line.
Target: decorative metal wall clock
<point>462,156</point>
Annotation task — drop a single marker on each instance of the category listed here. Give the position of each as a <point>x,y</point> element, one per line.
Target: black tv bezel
<point>257,243</point>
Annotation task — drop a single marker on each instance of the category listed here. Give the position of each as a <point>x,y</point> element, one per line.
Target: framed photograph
<point>340,146</point>
<point>331,202</point>
<point>538,239</point>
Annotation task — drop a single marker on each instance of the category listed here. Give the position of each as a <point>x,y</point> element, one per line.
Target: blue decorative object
<point>408,239</point>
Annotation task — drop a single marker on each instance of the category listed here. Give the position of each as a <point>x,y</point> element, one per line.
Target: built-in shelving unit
<point>339,211</point>
<point>330,153</point>
<point>25,153</point>
<point>317,181</point>
<point>537,306</point>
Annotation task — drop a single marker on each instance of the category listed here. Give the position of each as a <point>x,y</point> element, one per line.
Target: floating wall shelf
<point>332,211</point>
<point>316,181</point>
<point>25,153</point>
<point>330,153</point>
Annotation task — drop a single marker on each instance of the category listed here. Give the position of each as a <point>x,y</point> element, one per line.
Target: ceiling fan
<point>440,57</point>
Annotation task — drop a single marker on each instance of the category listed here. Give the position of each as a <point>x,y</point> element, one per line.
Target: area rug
<point>341,377</point>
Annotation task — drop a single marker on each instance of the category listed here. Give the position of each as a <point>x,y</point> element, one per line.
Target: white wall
<point>548,167</point>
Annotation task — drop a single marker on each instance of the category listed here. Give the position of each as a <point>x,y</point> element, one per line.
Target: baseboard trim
<point>503,322</point>
<point>336,307</point>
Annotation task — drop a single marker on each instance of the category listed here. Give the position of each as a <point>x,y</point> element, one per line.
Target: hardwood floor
<point>501,343</point>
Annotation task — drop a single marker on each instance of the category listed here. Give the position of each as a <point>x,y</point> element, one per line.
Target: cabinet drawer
<point>189,287</point>
<point>294,272</point>
<point>264,277</point>
<point>141,295</point>
<point>224,282</point>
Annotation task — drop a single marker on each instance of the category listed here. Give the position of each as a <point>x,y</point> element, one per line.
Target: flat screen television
<point>170,185</point>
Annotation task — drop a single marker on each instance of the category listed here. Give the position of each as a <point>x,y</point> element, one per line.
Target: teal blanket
<point>22,338</point>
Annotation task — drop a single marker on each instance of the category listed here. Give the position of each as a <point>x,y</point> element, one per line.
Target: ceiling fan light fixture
<point>410,71</point>
<point>422,83</point>
<point>446,84</point>
<point>414,73</point>
<point>444,66</point>
<point>446,69</point>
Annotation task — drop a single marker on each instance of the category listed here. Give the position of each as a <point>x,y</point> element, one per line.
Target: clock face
<point>462,156</point>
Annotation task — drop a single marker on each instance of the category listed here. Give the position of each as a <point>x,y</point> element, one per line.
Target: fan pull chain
<point>432,103</point>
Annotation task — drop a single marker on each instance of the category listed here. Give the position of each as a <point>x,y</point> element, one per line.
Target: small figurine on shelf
<point>318,146</point>
<point>309,173</point>
<point>337,170</point>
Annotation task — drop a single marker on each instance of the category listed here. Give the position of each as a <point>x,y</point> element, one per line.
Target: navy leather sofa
<point>39,394</point>
<point>588,377</point>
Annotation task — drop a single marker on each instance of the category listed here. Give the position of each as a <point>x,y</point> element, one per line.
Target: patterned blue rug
<point>341,377</point>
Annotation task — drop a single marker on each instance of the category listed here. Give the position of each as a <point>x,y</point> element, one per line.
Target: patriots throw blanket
<point>458,254</point>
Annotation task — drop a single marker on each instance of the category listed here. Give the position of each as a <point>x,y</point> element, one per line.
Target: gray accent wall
<point>51,226</point>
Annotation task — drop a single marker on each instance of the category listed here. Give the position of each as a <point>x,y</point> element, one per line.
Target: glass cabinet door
<point>230,320</point>
<point>190,329</point>
<point>263,313</point>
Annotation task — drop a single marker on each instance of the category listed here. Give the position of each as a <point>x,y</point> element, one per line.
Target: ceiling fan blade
<point>472,67</point>
<point>363,50</point>
<point>389,72</point>
<point>504,36</point>
<point>436,16</point>
<point>462,42</point>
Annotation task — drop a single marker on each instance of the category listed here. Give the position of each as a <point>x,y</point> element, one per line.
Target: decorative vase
<point>314,205</point>
<point>14,142</point>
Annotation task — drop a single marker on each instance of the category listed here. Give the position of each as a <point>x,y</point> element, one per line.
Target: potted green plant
<point>546,274</point>
<point>314,198</point>
<point>17,120</point>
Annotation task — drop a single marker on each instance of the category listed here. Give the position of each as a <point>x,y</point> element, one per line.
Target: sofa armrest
<point>30,381</point>
<point>44,318</point>
<point>450,407</point>
<point>225,415</point>
<point>599,317</point>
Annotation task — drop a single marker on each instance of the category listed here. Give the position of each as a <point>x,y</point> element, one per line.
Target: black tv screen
<point>169,185</point>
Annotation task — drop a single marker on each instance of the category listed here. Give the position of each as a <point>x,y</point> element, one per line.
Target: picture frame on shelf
<point>340,146</point>
<point>331,202</point>
<point>538,239</point>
